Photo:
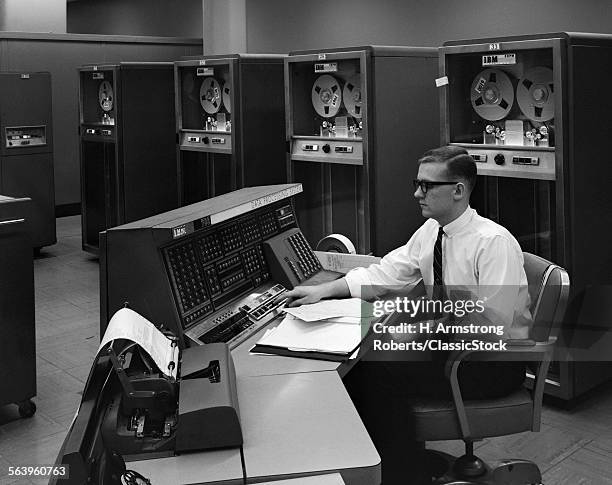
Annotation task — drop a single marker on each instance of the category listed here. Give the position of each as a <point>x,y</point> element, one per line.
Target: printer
<point>134,408</point>
<point>152,413</point>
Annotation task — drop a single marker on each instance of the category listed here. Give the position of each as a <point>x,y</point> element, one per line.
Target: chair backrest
<point>549,293</point>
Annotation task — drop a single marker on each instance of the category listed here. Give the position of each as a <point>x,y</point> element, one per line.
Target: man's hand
<point>304,295</point>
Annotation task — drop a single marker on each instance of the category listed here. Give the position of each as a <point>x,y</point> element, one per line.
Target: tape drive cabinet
<point>127,149</point>
<point>534,113</point>
<point>230,123</point>
<point>358,118</point>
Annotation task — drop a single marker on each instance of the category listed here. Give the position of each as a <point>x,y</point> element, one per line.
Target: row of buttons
<point>229,263</point>
<point>229,315</point>
<point>227,330</point>
<point>227,282</point>
<point>276,289</point>
<point>264,309</point>
<point>291,264</point>
<point>197,314</point>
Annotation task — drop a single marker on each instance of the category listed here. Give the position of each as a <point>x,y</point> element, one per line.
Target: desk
<point>331,479</point>
<point>302,424</point>
<point>297,420</point>
<point>293,425</point>
<point>219,467</point>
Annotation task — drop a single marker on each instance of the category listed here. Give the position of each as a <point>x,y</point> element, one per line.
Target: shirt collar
<point>463,220</point>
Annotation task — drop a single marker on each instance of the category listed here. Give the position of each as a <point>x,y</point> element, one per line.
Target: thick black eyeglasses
<point>425,185</point>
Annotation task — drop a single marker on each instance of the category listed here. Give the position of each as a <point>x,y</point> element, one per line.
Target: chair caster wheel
<point>27,408</point>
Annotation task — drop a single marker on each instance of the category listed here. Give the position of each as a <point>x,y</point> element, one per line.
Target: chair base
<point>503,472</point>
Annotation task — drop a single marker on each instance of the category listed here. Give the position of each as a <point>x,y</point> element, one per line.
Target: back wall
<point>280,26</point>
<point>164,18</point>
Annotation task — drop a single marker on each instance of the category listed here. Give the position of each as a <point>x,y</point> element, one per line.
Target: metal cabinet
<point>17,332</point>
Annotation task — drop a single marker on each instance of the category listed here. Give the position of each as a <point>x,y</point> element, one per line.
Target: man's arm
<point>399,268</point>
<point>303,295</point>
<point>398,271</point>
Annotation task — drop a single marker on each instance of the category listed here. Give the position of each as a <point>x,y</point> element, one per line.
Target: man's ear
<point>460,190</point>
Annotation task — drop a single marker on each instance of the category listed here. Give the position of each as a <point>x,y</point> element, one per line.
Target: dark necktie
<point>438,291</point>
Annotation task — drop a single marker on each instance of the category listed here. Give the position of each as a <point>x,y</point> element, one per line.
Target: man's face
<point>438,202</point>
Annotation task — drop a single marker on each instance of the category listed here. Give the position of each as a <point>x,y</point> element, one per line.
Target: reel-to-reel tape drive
<point>511,99</point>
<point>215,99</point>
<point>329,107</point>
<point>106,99</point>
<point>339,103</point>
<point>495,97</point>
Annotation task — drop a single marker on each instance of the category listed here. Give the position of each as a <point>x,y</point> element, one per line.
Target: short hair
<point>459,163</point>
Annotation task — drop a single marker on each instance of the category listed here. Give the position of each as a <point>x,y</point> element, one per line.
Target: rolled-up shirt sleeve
<point>397,270</point>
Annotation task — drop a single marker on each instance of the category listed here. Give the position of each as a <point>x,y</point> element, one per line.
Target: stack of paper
<point>331,329</point>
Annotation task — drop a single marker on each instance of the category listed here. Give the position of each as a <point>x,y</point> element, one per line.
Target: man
<point>476,253</point>
<point>454,248</point>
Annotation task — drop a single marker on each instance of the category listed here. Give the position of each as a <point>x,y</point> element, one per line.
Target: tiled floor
<point>573,448</point>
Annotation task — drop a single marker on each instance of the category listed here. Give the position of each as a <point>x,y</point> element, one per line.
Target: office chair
<point>520,411</point>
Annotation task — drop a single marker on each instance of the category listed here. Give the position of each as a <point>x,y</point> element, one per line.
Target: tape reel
<point>535,94</point>
<point>210,95</point>
<point>336,243</point>
<point>326,96</point>
<point>226,94</point>
<point>351,96</point>
<point>492,94</point>
<point>105,95</point>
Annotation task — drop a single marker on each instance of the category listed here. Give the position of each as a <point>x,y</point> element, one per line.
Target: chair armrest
<point>517,350</point>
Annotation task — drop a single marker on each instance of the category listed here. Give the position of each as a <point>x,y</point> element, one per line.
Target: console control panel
<point>215,266</point>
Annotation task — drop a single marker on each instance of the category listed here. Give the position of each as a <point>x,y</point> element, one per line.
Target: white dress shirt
<point>479,256</point>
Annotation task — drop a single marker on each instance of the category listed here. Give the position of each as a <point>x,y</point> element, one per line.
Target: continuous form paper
<point>129,325</point>
<point>343,263</point>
